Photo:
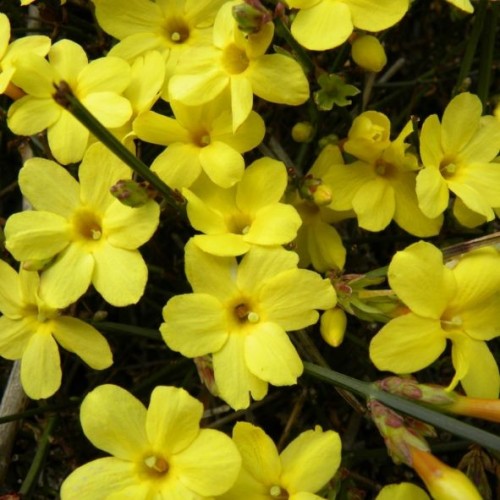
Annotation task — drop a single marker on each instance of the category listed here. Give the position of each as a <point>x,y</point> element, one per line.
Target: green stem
<point>299,51</point>
<point>487,53</point>
<point>36,465</point>
<point>137,331</point>
<point>65,97</point>
<point>472,42</point>
<point>370,391</point>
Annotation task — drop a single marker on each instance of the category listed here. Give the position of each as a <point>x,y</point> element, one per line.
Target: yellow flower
<point>247,214</point>
<point>168,26</point>
<point>30,330</point>
<point>457,155</point>
<point>97,84</point>
<point>381,185</point>
<point>464,5</point>
<point>200,138</point>
<point>325,24</point>
<point>36,44</point>
<point>91,235</point>
<point>318,242</point>
<point>238,62</point>
<point>459,304</point>
<point>240,314</point>
<point>300,470</point>
<point>158,452</point>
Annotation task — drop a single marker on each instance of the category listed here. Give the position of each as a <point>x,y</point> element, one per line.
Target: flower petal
<point>407,344</point>
<point>223,245</point>
<point>119,275</point>
<point>124,437</point>
<point>100,478</point>
<point>30,115</point>
<point>472,199</point>
<point>420,279</point>
<point>111,109</point>
<point>15,336</point>
<point>99,170</point>
<point>265,176</point>
<point>223,165</point>
<point>210,465</point>
<point>106,74</point>
<point>323,26</point>
<point>11,300</point>
<point>173,419</point>
<point>68,139</point>
<point>194,325</point>
<point>241,99</point>
<point>431,150</point>
<point>49,187</point>
<point>432,192</point>
<point>259,455</point>
<point>68,278</point>
<point>292,297</point>
<point>201,216</point>
<point>130,227</point>
<point>158,129</point>
<point>41,366</point>
<point>234,380</point>
<point>248,136</point>
<point>304,464</point>
<point>268,80</point>
<point>84,340</point>
<point>36,235</point>
<point>68,59</point>
<point>375,204</point>
<point>377,16</point>
<point>271,356</point>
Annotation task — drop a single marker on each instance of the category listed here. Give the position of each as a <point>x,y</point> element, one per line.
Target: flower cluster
<point>266,239</point>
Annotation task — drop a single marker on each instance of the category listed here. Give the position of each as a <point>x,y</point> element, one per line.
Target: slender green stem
<point>65,97</point>
<point>472,42</point>
<point>487,53</point>
<point>42,449</point>
<point>39,411</point>
<point>299,51</point>
<point>370,391</point>
<point>137,331</point>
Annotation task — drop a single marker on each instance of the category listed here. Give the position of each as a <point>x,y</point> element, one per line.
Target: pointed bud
<point>409,388</point>
<point>332,326</point>
<point>251,16</point>
<point>442,481</point>
<point>205,369</point>
<point>368,53</point>
<point>314,190</point>
<point>131,193</point>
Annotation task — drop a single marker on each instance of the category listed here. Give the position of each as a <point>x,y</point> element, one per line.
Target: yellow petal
<point>34,75</point>
<point>377,16</point>
<point>41,366</point>
<point>304,466</point>
<point>30,115</point>
<point>111,109</point>
<point>483,146</point>
<point>36,235</point>
<point>159,129</point>
<point>130,227</point>
<point>268,80</point>
<point>11,300</point>
<point>431,150</point>
<point>101,478</point>
<point>195,324</point>
<point>210,465</point>
<point>119,275</point>
<point>223,245</point>
<point>68,278</point>
<point>201,216</point>
<point>407,344</point>
<point>49,187</point>
<point>432,192</point>
<point>234,380</point>
<point>248,136</point>
<point>106,74</point>
<point>16,333</point>
<point>241,99</point>
<point>420,279</point>
<point>323,26</point>
<point>173,419</point>
<point>402,491</point>
<point>259,455</point>
<point>271,356</point>
<point>68,139</point>
<point>84,340</point>
<point>324,247</point>
<point>115,422</point>
<point>223,164</point>
<point>473,199</point>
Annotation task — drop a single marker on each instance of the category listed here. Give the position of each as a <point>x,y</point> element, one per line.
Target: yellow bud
<point>302,132</point>
<point>442,481</point>
<point>368,53</point>
<point>332,326</point>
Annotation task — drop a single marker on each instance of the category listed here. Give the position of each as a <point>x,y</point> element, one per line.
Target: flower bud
<point>442,481</point>
<point>368,53</point>
<point>130,193</point>
<point>302,132</point>
<point>251,16</point>
<point>332,326</point>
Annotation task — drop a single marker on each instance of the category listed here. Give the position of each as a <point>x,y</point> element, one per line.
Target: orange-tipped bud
<point>442,481</point>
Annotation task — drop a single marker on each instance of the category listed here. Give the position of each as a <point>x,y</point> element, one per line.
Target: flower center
<point>87,225</point>
<point>277,492</point>
<point>176,30</point>
<point>201,138</point>
<point>451,323</point>
<point>156,466</point>
<point>448,167</point>
<point>244,313</point>
<point>234,60</point>
<point>384,169</point>
<point>238,223</point>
